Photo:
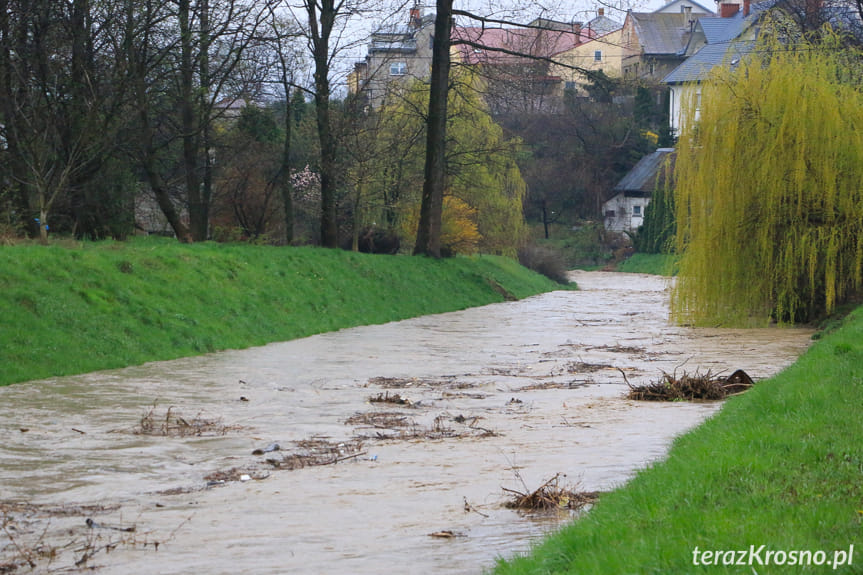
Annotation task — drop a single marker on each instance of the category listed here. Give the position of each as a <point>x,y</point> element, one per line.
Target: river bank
<point>80,306</point>
<point>501,396</point>
<point>773,484</point>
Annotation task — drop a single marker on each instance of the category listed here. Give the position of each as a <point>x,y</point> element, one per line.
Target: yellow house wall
<point>583,56</point>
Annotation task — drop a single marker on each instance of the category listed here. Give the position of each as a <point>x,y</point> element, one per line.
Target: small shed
<point>624,212</point>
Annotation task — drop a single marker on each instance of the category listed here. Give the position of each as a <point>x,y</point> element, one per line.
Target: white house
<point>722,41</point>
<point>624,212</point>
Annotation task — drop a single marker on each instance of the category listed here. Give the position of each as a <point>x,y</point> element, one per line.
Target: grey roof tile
<point>661,33</point>
<point>643,176</point>
<point>698,66</point>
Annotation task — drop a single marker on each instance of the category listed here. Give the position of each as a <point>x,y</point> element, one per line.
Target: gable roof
<point>723,47</point>
<point>398,37</point>
<point>600,26</point>
<point>661,33</point>
<point>671,4</point>
<point>529,41</point>
<point>643,177</point>
<point>698,66</point>
<point>723,29</point>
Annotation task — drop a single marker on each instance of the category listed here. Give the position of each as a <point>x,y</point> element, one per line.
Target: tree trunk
<point>329,228</point>
<point>283,176</point>
<point>545,217</point>
<point>188,113</point>
<point>160,189</point>
<point>321,26</point>
<point>202,120</point>
<point>429,230</point>
<point>137,62</point>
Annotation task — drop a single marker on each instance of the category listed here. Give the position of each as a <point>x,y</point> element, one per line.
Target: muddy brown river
<point>150,469</point>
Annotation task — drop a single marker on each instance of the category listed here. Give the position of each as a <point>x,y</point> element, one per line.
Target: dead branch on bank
<point>696,386</point>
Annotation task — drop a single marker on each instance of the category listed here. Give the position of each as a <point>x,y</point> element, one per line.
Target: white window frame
<point>398,68</point>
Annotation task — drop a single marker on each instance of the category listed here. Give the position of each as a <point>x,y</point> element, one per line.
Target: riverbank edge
<point>779,467</point>
<point>80,307</point>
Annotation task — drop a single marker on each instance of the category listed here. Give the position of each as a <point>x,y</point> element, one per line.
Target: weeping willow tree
<point>769,198</point>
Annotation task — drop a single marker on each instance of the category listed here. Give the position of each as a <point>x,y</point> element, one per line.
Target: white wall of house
<point>683,96</point>
<point>624,213</point>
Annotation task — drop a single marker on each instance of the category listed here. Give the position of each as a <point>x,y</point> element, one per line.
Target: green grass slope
<point>657,264</point>
<point>96,306</point>
<point>780,466</point>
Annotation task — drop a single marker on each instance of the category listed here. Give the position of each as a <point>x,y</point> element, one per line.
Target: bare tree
<point>282,37</point>
<point>185,59</point>
<point>62,101</point>
<point>325,26</point>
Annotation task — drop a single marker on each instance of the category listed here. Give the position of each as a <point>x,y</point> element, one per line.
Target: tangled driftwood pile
<point>550,495</point>
<point>695,386</point>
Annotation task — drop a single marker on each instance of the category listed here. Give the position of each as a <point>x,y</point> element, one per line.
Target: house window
<point>597,56</point>
<point>636,211</point>
<point>652,68</point>
<point>609,213</point>
<point>569,85</point>
<point>398,68</point>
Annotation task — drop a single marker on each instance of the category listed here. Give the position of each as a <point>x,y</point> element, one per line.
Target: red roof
<point>496,42</point>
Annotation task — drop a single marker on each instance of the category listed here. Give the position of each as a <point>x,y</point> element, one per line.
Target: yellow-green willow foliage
<point>769,199</point>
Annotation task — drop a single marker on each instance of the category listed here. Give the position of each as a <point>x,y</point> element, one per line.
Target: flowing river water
<point>150,469</point>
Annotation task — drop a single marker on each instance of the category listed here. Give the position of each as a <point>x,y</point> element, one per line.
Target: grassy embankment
<point>657,264</point>
<point>780,466</point>
<point>96,306</point>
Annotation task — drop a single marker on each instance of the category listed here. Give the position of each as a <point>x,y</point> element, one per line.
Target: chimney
<point>600,12</point>
<point>747,4</point>
<point>727,10</point>
<point>415,20</point>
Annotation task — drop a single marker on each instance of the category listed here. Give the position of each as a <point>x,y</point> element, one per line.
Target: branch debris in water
<point>551,495</point>
<point>696,386</point>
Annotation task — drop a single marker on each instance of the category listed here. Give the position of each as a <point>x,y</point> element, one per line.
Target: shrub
<point>544,260</point>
